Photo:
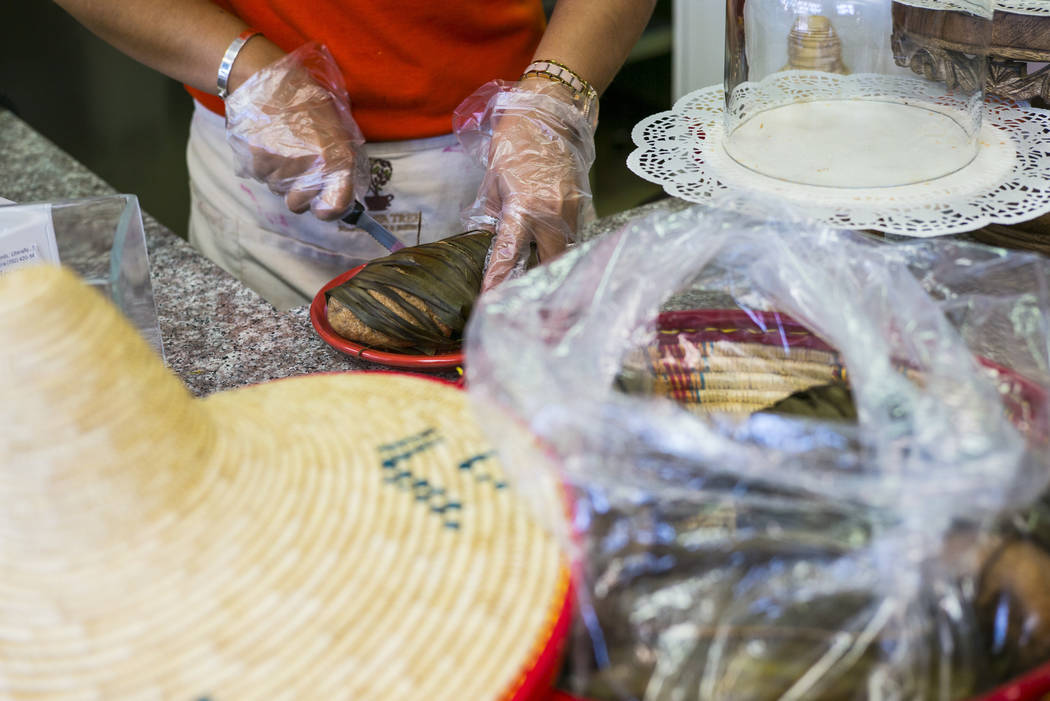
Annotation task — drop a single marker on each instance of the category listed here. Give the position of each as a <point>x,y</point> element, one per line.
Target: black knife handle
<point>355,213</point>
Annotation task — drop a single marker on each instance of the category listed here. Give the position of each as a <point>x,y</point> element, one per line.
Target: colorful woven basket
<point>728,360</point>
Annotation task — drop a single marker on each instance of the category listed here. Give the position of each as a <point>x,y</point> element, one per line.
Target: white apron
<point>418,190</point>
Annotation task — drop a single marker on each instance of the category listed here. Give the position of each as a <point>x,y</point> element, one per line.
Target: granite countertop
<point>217,333</point>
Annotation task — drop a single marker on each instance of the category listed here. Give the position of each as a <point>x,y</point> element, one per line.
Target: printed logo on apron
<point>405,225</point>
<point>382,171</point>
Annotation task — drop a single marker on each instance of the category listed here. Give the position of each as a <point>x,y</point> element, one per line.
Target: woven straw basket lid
<point>725,376</point>
<point>323,537</point>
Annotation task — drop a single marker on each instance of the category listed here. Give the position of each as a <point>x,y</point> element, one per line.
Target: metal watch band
<point>560,73</point>
<point>583,93</point>
<point>229,57</point>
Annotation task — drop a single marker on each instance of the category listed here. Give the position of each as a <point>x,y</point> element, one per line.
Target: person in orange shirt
<point>435,115</point>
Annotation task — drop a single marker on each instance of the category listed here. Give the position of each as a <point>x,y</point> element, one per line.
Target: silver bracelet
<point>229,57</point>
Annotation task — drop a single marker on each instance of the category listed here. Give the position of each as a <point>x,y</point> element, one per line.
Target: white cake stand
<point>1008,182</point>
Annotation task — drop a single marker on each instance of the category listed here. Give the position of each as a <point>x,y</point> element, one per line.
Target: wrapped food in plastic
<point>730,552</point>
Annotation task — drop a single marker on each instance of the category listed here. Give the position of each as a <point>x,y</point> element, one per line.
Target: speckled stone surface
<point>217,333</point>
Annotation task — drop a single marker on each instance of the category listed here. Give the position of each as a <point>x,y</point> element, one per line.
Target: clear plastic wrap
<point>290,127</point>
<point>740,554</point>
<point>537,146</point>
<point>102,240</point>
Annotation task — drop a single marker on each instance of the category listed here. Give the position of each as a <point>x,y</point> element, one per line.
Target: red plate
<point>319,318</point>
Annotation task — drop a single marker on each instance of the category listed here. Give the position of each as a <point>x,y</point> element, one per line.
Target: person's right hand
<point>290,127</point>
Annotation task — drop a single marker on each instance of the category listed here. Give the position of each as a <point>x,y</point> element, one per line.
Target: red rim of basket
<point>1034,684</point>
<point>319,319</point>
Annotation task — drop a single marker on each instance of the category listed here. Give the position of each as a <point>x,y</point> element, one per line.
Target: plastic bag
<point>749,555</point>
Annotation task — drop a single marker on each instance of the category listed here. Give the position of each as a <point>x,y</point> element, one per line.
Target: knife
<point>360,218</point>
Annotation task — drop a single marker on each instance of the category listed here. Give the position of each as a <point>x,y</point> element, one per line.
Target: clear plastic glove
<point>537,146</point>
<point>290,127</point>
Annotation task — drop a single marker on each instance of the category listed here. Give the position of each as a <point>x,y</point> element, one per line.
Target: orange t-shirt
<point>407,65</point>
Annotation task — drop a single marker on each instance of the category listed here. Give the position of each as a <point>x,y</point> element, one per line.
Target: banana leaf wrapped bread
<point>418,298</point>
<point>831,402</point>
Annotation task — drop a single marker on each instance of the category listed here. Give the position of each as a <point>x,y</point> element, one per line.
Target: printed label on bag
<point>27,235</point>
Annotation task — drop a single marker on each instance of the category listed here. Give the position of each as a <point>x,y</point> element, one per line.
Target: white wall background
<point>698,54</point>
<point>699,37</point>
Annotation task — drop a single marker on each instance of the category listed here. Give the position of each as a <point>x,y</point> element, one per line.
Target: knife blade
<point>361,219</point>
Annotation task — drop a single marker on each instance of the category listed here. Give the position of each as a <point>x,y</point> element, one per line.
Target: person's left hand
<point>538,146</point>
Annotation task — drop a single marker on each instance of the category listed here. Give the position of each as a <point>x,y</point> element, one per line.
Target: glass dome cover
<point>839,93</point>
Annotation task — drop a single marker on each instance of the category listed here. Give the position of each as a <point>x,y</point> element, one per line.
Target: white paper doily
<point>1024,7</point>
<point>981,8</point>
<point>1017,7</point>
<point>1008,182</point>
